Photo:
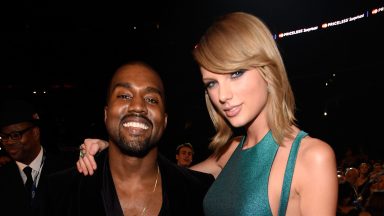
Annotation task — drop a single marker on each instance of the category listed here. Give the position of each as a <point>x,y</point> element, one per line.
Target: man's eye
<point>152,100</point>
<point>126,97</point>
<point>15,135</point>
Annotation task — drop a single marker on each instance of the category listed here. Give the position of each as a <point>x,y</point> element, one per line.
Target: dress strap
<point>289,173</point>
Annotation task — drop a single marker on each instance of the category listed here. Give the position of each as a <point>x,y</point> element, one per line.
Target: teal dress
<point>241,189</point>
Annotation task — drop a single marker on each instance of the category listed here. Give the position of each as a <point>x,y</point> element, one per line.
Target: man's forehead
<point>16,126</point>
<point>185,148</point>
<point>138,73</point>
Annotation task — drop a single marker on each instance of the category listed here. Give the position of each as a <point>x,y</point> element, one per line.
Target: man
<point>22,191</point>
<point>348,194</point>
<point>184,155</point>
<point>133,179</point>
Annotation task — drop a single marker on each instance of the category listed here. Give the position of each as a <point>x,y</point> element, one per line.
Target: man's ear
<point>36,131</point>
<point>165,120</point>
<point>105,114</point>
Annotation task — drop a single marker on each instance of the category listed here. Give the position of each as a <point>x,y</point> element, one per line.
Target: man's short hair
<point>189,145</point>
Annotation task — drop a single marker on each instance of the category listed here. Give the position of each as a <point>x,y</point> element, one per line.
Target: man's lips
<point>135,121</point>
<point>138,125</point>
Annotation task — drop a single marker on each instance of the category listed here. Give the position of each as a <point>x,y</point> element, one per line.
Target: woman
<point>275,168</point>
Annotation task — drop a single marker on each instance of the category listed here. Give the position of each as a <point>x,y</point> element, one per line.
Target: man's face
<point>351,175</point>
<point>184,157</point>
<point>135,113</point>
<point>21,141</point>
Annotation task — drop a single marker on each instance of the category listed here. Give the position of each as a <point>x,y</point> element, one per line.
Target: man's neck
<point>124,166</point>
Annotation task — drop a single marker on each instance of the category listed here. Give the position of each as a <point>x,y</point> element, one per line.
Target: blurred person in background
<point>23,178</point>
<point>184,154</point>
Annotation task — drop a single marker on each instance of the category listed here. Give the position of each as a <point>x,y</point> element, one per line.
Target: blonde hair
<point>242,41</point>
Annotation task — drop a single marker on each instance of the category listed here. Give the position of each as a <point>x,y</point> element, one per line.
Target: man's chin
<point>136,152</point>
<point>134,147</point>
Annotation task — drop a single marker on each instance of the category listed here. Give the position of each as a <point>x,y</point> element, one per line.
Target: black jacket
<point>72,194</point>
<point>13,196</point>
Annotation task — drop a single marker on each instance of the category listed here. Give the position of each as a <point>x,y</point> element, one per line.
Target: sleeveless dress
<point>241,189</point>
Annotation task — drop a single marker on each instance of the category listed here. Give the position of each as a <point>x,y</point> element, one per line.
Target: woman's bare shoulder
<point>316,161</point>
<point>316,166</point>
<point>315,150</point>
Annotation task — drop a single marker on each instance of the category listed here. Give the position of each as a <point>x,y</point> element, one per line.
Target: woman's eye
<point>238,73</point>
<point>209,84</point>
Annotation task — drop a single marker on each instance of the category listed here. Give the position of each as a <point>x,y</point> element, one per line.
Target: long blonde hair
<point>242,41</point>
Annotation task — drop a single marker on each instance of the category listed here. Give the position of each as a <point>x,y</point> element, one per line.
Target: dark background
<point>65,51</point>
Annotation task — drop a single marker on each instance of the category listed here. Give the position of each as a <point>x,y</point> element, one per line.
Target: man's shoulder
<point>56,161</point>
<point>184,174</point>
<point>184,188</point>
<point>8,166</point>
<point>198,174</point>
<point>8,171</point>
<point>63,177</point>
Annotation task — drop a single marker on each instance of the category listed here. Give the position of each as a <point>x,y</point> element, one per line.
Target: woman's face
<point>241,96</point>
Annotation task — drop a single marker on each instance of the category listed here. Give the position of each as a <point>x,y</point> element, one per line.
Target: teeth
<point>136,125</point>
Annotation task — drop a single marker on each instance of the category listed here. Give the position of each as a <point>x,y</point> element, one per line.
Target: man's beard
<point>134,147</point>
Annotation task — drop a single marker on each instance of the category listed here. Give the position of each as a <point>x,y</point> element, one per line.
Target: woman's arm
<point>209,165</point>
<point>318,183</point>
<point>215,163</point>
<point>90,148</point>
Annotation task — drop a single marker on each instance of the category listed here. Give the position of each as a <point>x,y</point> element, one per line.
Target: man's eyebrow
<point>154,90</point>
<point>122,84</point>
<point>147,89</point>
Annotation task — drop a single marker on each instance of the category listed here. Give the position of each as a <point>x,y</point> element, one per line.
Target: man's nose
<point>138,104</point>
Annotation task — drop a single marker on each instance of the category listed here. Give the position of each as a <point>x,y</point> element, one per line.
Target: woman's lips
<point>233,111</point>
